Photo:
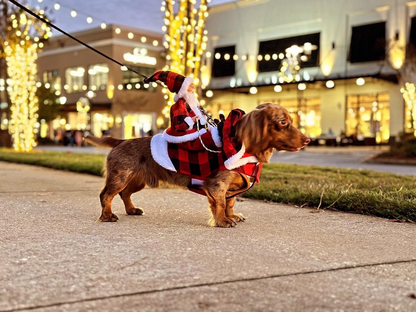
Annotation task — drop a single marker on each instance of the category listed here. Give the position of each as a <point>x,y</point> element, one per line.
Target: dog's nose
<point>307,141</point>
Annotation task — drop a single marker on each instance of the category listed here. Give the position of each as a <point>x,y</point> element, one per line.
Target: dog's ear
<point>253,129</point>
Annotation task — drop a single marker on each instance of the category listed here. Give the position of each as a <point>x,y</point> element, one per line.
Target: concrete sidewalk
<point>55,257</point>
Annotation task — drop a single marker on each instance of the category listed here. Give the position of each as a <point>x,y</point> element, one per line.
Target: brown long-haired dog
<point>130,166</point>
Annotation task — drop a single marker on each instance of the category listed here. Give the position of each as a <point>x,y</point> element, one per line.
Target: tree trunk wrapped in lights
<point>185,39</point>
<point>20,39</point>
<point>408,80</point>
<point>21,69</point>
<point>403,59</point>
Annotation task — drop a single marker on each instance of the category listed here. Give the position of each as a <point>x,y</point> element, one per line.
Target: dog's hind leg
<point>134,186</point>
<point>115,183</point>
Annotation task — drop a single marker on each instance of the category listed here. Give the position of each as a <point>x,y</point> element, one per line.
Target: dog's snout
<point>306,140</point>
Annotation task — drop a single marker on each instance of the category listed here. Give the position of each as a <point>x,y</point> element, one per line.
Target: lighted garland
<point>20,42</point>
<point>21,68</point>
<point>185,39</point>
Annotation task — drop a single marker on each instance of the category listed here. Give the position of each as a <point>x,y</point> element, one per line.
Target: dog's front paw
<point>109,218</point>
<point>135,211</point>
<point>226,222</point>
<point>238,217</point>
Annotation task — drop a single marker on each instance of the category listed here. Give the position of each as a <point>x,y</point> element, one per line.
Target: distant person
<point>72,138</point>
<point>78,138</point>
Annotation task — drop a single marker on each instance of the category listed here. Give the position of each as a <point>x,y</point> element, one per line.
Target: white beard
<point>191,99</point>
<point>193,103</point>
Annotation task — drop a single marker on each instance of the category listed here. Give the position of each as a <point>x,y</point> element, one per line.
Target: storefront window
<point>138,125</point>
<point>102,123</point>
<point>306,114</point>
<point>74,77</point>
<point>98,76</point>
<point>368,116</point>
<point>132,81</point>
<point>52,81</point>
<point>224,62</point>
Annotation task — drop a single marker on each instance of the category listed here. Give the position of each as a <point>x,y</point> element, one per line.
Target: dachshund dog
<point>130,166</point>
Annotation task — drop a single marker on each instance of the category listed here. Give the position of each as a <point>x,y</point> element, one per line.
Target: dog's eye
<point>282,122</point>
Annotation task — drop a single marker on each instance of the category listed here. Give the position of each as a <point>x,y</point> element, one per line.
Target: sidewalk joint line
<point>48,191</point>
<point>146,292</point>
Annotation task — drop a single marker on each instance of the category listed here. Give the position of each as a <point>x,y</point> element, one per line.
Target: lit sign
<point>139,56</point>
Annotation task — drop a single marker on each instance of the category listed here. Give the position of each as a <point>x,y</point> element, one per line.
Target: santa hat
<point>175,82</point>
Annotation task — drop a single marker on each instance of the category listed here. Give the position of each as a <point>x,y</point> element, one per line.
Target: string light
<point>75,13</point>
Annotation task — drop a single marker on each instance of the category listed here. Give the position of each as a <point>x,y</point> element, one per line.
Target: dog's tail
<point>103,141</point>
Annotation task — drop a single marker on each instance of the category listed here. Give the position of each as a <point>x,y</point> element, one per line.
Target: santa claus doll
<point>185,114</point>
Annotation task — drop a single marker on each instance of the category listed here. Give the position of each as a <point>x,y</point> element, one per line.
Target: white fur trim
<point>236,160</point>
<point>216,137</point>
<point>197,181</point>
<point>183,138</point>
<point>184,88</point>
<point>190,122</point>
<point>159,151</point>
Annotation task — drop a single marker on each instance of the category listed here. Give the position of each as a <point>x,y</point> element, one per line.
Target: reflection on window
<point>52,81</point>
<point>368,115</point>
<point>132,81</point>
<point>98,77</point>
<point>74,79</point>
<point>306,114</point>
<point>274,51</point>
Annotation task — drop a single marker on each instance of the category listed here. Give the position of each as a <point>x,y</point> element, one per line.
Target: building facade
<point>333,64</point>
<point>96,93</point>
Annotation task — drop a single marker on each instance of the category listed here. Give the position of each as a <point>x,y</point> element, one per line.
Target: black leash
<point>72,37</point>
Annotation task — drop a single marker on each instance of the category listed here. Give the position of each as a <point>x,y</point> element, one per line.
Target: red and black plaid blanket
<point>201,164</point>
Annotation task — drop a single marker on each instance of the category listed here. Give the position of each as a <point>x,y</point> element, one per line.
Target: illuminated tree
<point>21,37</point>
<point>185,38</point>
<point>403,59</point>
<point>407,78</point>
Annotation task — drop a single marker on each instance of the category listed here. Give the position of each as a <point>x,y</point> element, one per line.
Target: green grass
<point>358,191</point>
<point>76,162</point>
